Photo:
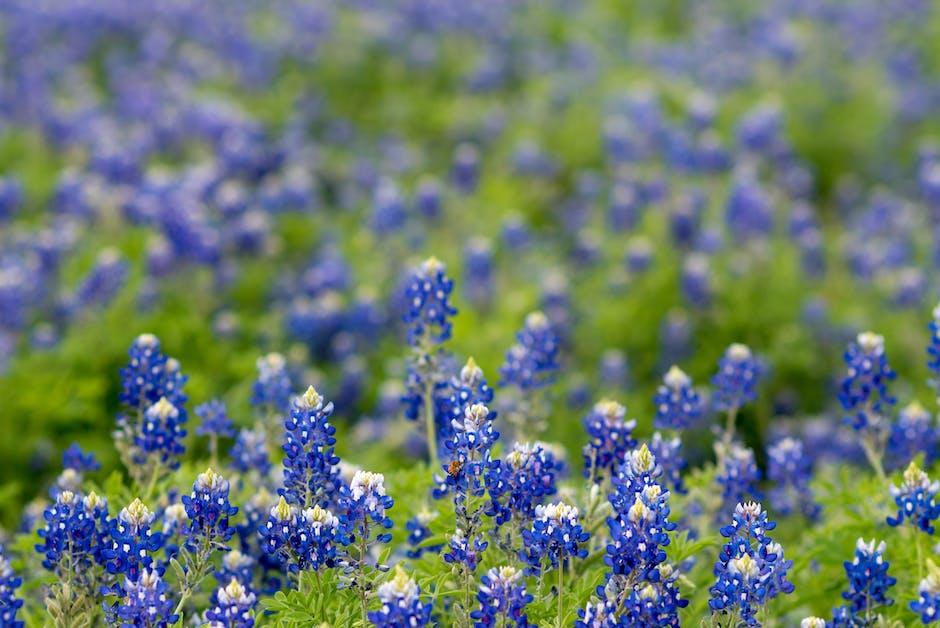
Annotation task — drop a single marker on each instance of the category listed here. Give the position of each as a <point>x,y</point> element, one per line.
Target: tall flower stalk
<point>427,316</point>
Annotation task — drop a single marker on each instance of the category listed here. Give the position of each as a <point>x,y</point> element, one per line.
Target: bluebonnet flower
<point>933,348</point>
<point>76,459</point>
<point>96,508</point>
<point>916,499</point>
<point>790,469</point>
<point>653,603</point>
<point>532,362</point>
<point>238,566</point>
<point>503,598</point>
<point>696,280</point>
<point>388,208</point>
<point>678,405</point>
<point>749,211</point>
<point>478,271</point>
<point>311,474</point>
<point>70,536</point>
<point>100,285</point>
<point>610,437</point>
<point>911,434</point>
<point>738,476</point>
<point>143,602</point>
<point>927,604</point>
<point>675,337</point>
<point>599,614</point>
<point>515,232</point>
<point>555,536</point>
<point>150,376</point>
<point>232,606</point>
<point>864,391</point>
<point>209,510</point>
<point>521,481</point>
<point>427,198</point>
<point>9,603</point>
<point>639,525</point>
<point>614,369</point>
<point>736,380</point>
<point>159,438</point>
<point>68,480</point>
<point>215,419</point>
<point>278,532</point>
<point>11,197</point>
<point>250,452</point>
<point>401,604</point>
<point>319,532</point>
<point>813,622</point>
<point>427,297</point>
<point>174,525</point>
<point>132,541</point>
<point>667,452</point>
<point>466,169</point>
<point>869,583</point>
<point>418,533</point>
<point>469,450</point>
<point>273,387</point>
<point>750,569</point>
<point>365,501</point>
<point>453,399</point>
<point>464,551</point>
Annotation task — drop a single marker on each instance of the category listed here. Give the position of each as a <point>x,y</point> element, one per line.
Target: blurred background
<point>660,178</point>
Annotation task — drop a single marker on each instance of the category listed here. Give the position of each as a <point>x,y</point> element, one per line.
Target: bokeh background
<point>661,178</point>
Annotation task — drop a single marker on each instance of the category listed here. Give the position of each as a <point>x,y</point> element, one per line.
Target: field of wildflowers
<point>492,313</point>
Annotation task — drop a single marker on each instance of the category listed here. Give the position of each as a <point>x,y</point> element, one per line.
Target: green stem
<point>429,419</point>
<point>363,539</point>
<point>874,457</point>
<point>466,595</point>
<point>561,582</point>
<point>728,436</point>
<point>920,554</point>
<point>214,450</point>
<point>152,484</point>
<point>184,597</point>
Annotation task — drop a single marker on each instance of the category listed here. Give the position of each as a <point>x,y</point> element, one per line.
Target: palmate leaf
<point>312,604</point>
